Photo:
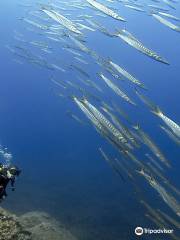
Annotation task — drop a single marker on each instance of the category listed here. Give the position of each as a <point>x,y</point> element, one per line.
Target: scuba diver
<point>7,174</point>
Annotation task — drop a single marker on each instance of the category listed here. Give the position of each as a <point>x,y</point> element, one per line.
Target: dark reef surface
<point>31,226</point>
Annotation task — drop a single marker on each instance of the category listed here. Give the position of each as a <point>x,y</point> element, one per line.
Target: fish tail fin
<point>143,86</point>
<point>84,97</point>
<point>109,59</point>
<point>136,127</point>
<point>72,97</point>
<point>151,12</point>
<point>118,31</point>
<point>45,7</point>
<point>132,102</point>
<point>156,110</point>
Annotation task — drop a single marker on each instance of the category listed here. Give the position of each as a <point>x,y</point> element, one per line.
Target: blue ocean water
<point>62,170</point>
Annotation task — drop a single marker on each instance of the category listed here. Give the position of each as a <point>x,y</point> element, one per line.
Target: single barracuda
<point>112,163</point>
<point>167,198</point>
<point>80,45</point>
<point>107,106</point>
<point>116,89</point>
<point>126,74</point>
<point>158,8</point>
<point>84,16</point>
<point>101,28</point>
<point>104,121</point>
<point>152,146</point>
<point>157,111</point>
<point>94,85</point>
<point>154,172</point>
<point>132,41</point>
<point>72,51</point>
<point>121,112</point>
<point>124,168</point>
<point>60,84</point>
<point>43,27</point>
<point>62,20</point>
<point>166,22</point>
<point>40,44</point>
<point>170,123</point>
<point>80,70</point>
<point>154,161</point>
<point>169,16</point>
<point>169,4</point>
<point>73,116</point>
<point>134,8</point>
<point>105,10</point>
<point>164,179</point>
<point>58,67</point>
<point>170,219</point>
<point>153,212</point>
<point>171,135</point>
<point>81,60</point>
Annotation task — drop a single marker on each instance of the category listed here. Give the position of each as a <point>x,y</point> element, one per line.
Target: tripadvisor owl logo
<point>139,231</point>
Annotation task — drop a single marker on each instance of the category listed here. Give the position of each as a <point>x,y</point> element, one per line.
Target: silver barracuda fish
<point>170,219</point>
<point>134,8</point>
<point>154,161</point>
<point>165,181</point>
<point>105,10</point>
<point>127,75</point>
<point>158,8</point>
<point>62,20</point>
<point>112,163</point>
<point>169,16</point>
<point>157,111</point>
<point>152,146</point>
<point>171,135</point>
<point>76,118</point>
<point>116,89</point>
<point>152,212</point>
<point>169,4</point>
<point>166,197</point>
<point>132,41</point>
<point>166,22</point>
<point>170,123</point>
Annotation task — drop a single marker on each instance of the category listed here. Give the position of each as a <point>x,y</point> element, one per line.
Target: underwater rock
<point>10,228</point>
<point>31,226</point>
<point>44,227</point>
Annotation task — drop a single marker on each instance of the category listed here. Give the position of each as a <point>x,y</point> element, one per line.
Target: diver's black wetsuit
<point>4,180</point>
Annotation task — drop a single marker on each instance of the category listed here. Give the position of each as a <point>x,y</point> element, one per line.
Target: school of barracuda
<point>54,24</point>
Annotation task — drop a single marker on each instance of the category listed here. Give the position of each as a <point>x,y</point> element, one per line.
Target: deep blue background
<point>63,172</point>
